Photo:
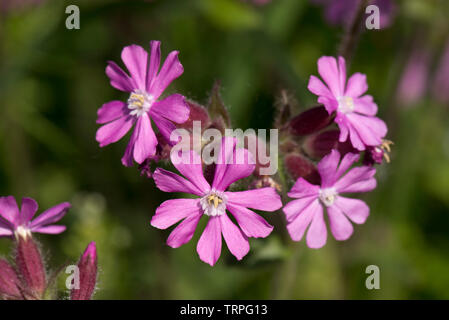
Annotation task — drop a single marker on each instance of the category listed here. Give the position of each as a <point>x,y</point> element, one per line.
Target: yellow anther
<point>215,199</point>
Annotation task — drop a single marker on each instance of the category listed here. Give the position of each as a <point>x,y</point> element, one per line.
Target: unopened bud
<point>197,113</point>
<point>30,267</point>
<point>9,282</point>
<point>310,121</point>
<point>88,269</point>
<point>299,166</point>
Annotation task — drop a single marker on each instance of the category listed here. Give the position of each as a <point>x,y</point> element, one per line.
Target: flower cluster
<point>319,148</point>
<point>27,278</point>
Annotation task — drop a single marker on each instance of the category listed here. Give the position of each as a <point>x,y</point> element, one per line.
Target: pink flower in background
<point>145,85</point>
<point>355,112</point>
<point>307,210</point>
<point>341,12</point>
<point>440,87</point>
<point>21,223</point>
<point>413,84</point>
<point>213,201</point>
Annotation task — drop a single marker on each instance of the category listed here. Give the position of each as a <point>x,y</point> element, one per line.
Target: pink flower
<point>88,271</point>
<point>308,209</point>
<point>355,112</point>
<point>21,223</point>
<point>213,201</point>
<point>145,86</point>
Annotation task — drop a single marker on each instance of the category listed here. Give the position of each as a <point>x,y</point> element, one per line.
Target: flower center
<point>22,232</point>
<point>139,102</point>
<point>345,104</point>
<point>214,203</point>
<point>328,196</point>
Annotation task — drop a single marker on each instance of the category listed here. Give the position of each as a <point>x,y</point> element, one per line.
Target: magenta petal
<point>114,131</point>
<point>27,211</point>
<point>340,226</point>
<point>136,58</point>
<point>53,229</point>
<point>51,215</point>
<point>191,168</point>
<point>357,85</point>
<point>371,130</point>
<point>303,188</point>
<point>266,199</point>
<point>327,168</point>
<point>118,78</point>
<point>155,61</point>
<point>365,105</point>
<point>111,111</point>
<point>173,211</point>
<point>146,141</point>
<point>173,108</point>
<point>5,232</point>
<point>171,69</point>
<point>346,163</point>
<point>170,182</point>
<point>237,243</point>
<point>354,209</point>
<point>295,207</point>
<point>209,245</point>
<point>9,210</point>
<point>184,231</point>
<point>317,233</point>
<point>342,73</point>
<point>165,126</point>
<point>329,72</point>
<point>297,227</point>
<point>317,87</point>
<point>251,223</point>
<point>127,159</point>
<point>360,179</point>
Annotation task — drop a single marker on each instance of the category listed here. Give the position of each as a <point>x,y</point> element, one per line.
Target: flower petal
<point>317,87</point>
<point>360,179</point>
<point>237,242</point>
<point>118,78</point>
<point>297,227</point>
<point>357,85</point>
<point>251,223</point>
<point>340,226</point>
<point>342,73</point>
<point>165,126</point>
<point>146,141</point>
<point>127,159</point>
<point>295,207</point>
<point>354,209</point>
<point>327,168</point>
<point>209,245</point>
<point>53,229</point>
<point>173,108</point>
<point>370,129</point>
<point>171,69</point>
<point>329,72</point>
<point>155,61</point>
<point>27,211</point>
<point>346,163</point>
<point>184,231</point>
<point>317,233</point>
<point>190,166</point>
<point>5,232</point>
<point>111,111</point>
<point>136,58</point>
<point>365,105</point>
<point>52,215</point>
<point>266,199</point>
<point>173,211</point>
<point>171,182</point>
<point>114,131</point>
<point>303,188</point>
<point>9,210</point>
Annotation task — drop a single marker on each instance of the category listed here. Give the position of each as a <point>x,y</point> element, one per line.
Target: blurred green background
<point>52,82</point>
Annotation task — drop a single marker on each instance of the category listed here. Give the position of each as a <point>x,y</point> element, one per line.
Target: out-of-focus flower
<point>355,112</point>
<point>413,84</point>
<point>88,269</point>
<point>9,282</point>
<point>341,12</point>
<point>146,83</point>
<point>15,222</point>
<point>308,208</point>
<point>440,87</point>
<point>213,202</point>
<point>376,155</point>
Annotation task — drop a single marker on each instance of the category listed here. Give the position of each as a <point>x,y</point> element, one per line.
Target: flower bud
<point>197,113</point>
<point>318,145</point>
<point>9,282</point>
<point>299,166</point>
<point>30,267</point>
<point>310,121</point>
<point>88,268</point>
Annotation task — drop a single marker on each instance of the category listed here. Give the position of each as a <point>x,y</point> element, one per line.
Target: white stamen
<point>328,196</point>
<point>139,102</point>
<point>22,232</point>
<point>345,104</point>
<point>214,203</point>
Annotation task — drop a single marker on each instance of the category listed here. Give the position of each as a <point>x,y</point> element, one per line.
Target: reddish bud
<point>310,121</point>
<point>197,113</point>
<point>9,282</point>
<point>88,269</point>
<point>299,166</point>
<point>30,267</point>
<point>318,145</point>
